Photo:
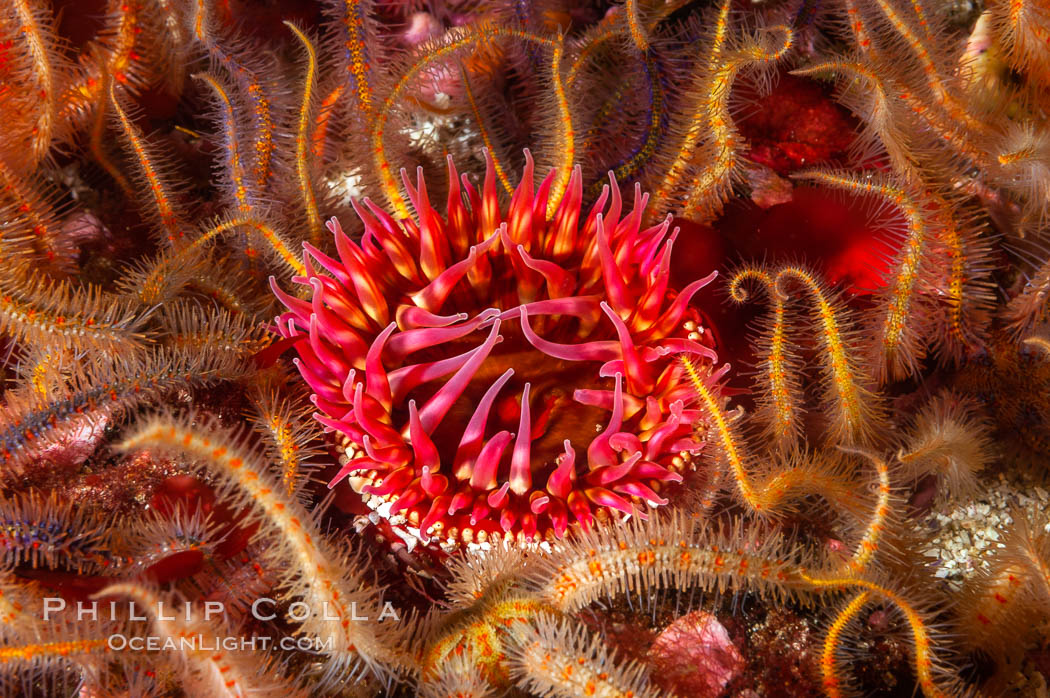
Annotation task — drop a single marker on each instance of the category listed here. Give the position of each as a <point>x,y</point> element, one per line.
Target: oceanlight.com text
<point>199,643</point>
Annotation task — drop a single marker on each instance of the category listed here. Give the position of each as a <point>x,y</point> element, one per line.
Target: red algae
<point>851,239</point>
<point>798,125</point>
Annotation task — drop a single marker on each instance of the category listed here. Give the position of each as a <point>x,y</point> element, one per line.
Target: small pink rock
<point>879,620</point>
<point>837,546</point>
<point>83,226</point>
<point>767,187</point>
<point>694,656</point>
<point>74,447</point>
<point>422,26</point>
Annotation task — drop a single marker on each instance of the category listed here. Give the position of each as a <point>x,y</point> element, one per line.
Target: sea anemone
<point>503,373</point>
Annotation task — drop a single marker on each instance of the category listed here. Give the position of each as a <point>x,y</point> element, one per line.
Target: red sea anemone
<point>502,372</point>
